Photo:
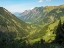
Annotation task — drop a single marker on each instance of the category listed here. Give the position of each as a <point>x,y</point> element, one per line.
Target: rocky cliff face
<point>42,15</point>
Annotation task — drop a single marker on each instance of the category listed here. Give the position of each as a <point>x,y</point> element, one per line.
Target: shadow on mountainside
<point>7,40</point>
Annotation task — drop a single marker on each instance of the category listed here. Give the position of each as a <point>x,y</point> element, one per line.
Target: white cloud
<point>44,0</point>
<point>48,0</point>
<point>40,0</point>
<point>31,8</point>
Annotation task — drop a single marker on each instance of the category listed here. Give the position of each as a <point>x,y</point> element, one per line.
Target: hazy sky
<point>21,5</point>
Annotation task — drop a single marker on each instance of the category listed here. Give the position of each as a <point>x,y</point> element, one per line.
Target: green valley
<point>41,27</point>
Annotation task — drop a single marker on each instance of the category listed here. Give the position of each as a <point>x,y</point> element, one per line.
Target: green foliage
<point>39,34</point>
<point>10,42</point>
<point>15,33</point>
<point>10,23</point>
<point>59,33</point>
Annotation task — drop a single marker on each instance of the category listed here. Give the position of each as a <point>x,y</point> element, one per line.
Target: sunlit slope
<point>10,23</point>
<point>42,15</point>
<point>49,31</point>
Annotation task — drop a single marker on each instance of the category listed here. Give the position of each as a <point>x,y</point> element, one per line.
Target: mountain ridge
<point>41,15</point>
<point>12,22</point>
<point>16,32</point>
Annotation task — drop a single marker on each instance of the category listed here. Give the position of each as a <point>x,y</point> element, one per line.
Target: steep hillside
<point>10,23</point>
<point>45,17</point>
<point>13,27</point>
<point>42,15</point>
<point>14,33</point>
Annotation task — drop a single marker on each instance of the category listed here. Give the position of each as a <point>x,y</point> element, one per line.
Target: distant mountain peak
<point>42,14</point>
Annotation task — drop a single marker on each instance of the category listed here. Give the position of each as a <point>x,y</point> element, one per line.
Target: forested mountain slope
<point>46,27</point>
<point>10,23</point>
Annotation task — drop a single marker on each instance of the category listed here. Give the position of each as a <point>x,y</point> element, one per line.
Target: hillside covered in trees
<point>48,32</point>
